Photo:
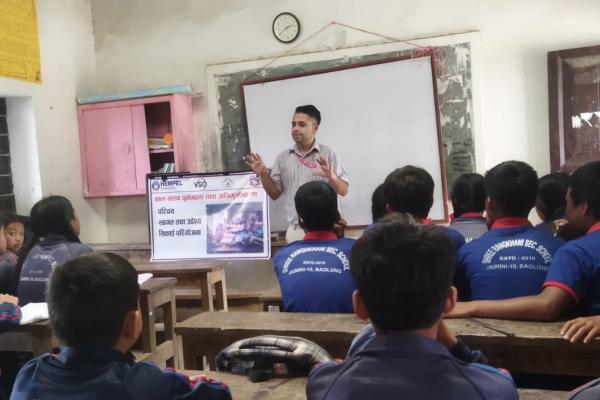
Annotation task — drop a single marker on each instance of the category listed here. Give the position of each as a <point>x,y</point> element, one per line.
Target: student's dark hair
<point>311,111</point>
<point>552,190</point>
<point>378,209</point>
<point>409,190</point>
<point>468,194</point>
<point>11,218</point>
<point>51,215</point>
<point>403,271</point>
<point>88,298</point>
<point>585,186</point>
<point>316,203</point>
<point>513,185</point>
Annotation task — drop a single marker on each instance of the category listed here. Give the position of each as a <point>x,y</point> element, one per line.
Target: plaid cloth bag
<point>263,356</point>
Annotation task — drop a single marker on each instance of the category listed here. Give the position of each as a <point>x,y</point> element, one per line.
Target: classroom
<point>453,87</point>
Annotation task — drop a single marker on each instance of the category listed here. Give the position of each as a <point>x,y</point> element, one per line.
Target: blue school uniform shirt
<point>511,260</point>
<point>576,270</point>
<point>314,274</point>
<point>51,251</point>
<point>107,374</point>
<point>404,365</point>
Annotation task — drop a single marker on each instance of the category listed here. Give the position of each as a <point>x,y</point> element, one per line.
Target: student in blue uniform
<point>94,311</point>
<point>404,272</point>
<point>574,275</point>
<point>513,258</point>
<point>314,273</point>
<point>468,202</point>
<point>55,240</point>
<point>7,264</point>
<point>410,190</point>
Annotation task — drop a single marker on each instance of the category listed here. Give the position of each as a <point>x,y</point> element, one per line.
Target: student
<point>7,264</point>
<point>550,204</point>
<point>94,311</point>
<point>404,272</point>
<point>55,240</point>
<point>513,258</point>
<point>14,232</point>
<point>378,209</point>
<point>410,190</point>
<point>314,273</point>
<point>468,203</point>
<point>574,275</point>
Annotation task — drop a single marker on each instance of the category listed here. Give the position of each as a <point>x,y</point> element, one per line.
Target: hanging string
<point>420,51</point>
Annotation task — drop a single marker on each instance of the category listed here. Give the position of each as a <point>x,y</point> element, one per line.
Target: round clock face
<point>286,27</point>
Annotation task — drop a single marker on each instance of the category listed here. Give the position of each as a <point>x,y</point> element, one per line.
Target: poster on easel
<point>207,216</point>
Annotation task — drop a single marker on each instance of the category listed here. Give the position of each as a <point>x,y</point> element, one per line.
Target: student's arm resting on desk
<point>546,306</point>
<point>255,162</point>
<point>10,313</point>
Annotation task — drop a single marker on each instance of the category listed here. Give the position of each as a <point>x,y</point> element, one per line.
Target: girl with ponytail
<point>54,240</point>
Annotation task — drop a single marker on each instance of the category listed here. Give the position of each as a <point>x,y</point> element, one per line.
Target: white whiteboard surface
<point>376,117</point>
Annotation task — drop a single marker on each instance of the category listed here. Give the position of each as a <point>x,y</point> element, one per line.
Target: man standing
<point>306,161</point>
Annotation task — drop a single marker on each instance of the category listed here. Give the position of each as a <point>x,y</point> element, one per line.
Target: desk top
<point>181,267</point>
<point>155,284</point>
<point>295,388</point>
<point>261,323</point>
<point>488,331</point>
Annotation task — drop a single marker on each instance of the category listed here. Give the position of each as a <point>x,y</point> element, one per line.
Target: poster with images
<point>195,216</point>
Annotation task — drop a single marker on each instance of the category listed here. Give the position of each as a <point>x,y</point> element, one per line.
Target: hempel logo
<point>156,185</point>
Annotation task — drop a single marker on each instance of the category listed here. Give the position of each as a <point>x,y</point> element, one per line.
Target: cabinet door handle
<point>126,148</point>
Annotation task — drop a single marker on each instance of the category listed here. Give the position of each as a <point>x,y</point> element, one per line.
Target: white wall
<point>42,118</point>
<point>151,43</point>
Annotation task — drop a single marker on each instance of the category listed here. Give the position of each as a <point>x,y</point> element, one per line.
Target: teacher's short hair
<point>311,111</point>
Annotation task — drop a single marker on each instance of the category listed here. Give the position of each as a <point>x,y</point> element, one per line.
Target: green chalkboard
<point>453,69</point>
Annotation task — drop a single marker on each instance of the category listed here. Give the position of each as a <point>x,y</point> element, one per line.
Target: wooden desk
<point>525,347</point>
<point>158,293</point>
<point>37,338</point>
<point>295,388</point>
<point>195,274</point>
<point>207,333</point>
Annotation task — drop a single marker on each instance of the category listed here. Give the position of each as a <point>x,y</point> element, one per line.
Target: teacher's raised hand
<point>255,162</point>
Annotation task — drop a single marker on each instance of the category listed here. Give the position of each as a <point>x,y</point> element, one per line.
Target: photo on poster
<point>235,228</point>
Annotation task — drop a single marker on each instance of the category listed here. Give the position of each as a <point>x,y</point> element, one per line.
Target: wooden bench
<point>525,347</point>
<point>208,276</point>
<point>295,388</point>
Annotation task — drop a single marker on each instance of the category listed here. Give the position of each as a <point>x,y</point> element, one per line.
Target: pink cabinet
<point>122,141</point>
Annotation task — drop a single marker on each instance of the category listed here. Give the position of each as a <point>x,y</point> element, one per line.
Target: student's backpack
<point>263,356</point>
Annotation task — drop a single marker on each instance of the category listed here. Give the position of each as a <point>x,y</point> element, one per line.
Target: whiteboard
<point>377,117</point>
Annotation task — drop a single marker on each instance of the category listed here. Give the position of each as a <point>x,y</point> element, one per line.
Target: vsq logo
<point>155,185</point>
<point>254,180</point>
<point>227,183</point>
<point>201,184</point>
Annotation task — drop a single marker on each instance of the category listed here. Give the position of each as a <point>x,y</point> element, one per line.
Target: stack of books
<point>167,168</point>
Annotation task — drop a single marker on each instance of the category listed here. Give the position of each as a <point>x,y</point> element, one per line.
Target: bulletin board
<point>20,49</point>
